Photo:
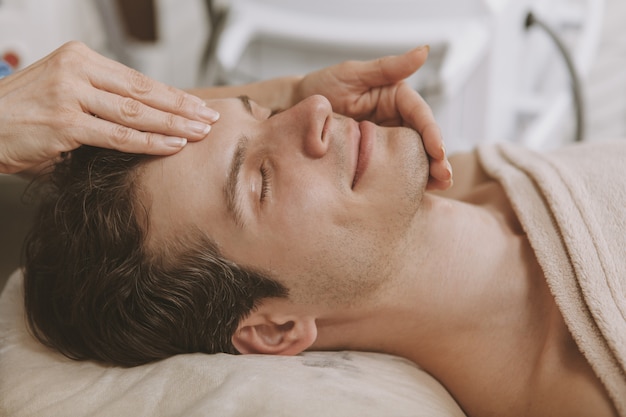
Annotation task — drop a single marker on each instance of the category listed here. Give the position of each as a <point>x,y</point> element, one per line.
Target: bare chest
<point>548,377</point>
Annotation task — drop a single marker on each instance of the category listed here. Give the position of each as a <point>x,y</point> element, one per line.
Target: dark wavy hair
<point>93,288</point>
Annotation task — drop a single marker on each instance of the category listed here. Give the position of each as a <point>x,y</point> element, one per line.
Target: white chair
<point>476,79</point>
<point>174,57</point>
<point>330,30</point>
<point>30,29</point>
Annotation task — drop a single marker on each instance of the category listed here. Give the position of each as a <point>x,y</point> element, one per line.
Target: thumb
<point>392,69</point>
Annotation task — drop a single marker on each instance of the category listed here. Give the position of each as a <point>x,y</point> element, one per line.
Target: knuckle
<point>75,46</point>
<point>130,108</point>
<point>379,64</point>
<point>180,102</point>
<point>139,83</point>
<point>72,51</point>
<point>148,140</point>
<point>65,69</point>
<point>171,122</point>
<point>121,136</point>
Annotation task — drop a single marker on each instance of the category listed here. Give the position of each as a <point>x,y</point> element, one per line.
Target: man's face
<point>313,199</point>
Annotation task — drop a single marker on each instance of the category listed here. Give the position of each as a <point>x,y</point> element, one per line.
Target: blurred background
<point>538,72</point>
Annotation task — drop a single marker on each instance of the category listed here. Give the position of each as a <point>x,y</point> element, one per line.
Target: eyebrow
<point>233,205</point>
<point>245,100</point>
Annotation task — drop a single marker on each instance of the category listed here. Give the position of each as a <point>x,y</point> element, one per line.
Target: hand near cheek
<point>375,90</point>
<point>414,112</point>
<point>49,108</point>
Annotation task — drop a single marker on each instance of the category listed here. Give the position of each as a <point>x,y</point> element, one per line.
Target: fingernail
<point>198,127</point>
<point>208,114</point>
<point>449,167</point>
<point>174,142</point>
<point>443,151</point>
<point>423,47</point>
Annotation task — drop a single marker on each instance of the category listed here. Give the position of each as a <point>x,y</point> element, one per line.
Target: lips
<point>364,150</point>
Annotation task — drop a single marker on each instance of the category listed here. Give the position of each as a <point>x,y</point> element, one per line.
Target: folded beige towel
<point>572,204</point>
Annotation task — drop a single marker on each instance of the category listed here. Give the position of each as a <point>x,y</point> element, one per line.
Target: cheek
<point>299,223</point>
<point>306,211</point>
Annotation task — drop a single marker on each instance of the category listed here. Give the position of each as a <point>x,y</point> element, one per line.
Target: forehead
<point>185,188</point>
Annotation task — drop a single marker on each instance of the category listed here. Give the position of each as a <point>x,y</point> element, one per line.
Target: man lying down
<point>305,230</point>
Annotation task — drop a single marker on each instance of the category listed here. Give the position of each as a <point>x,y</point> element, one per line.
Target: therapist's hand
<point>375,90</point>
<point>75,96</point>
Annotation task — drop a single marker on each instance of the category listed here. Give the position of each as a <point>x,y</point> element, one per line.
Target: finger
<point>433,141</point>
<point>136,115</point>
<point>435,184</point>
<point>102,133</point>
<point>118,79</point>
<point>418,114</point>
<point>440,175</point>
<point>440,169</point>
<point>391,69</point>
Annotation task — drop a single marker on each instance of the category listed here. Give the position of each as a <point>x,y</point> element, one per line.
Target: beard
<point>360,260</point>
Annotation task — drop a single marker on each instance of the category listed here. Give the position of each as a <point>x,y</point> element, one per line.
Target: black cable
<point>532,20</point>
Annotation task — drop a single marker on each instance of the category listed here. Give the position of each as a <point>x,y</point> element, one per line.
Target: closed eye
<point>266,179</point>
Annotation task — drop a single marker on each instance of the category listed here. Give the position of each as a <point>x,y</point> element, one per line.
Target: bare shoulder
<point>468,175</point>
<point>566,385</point>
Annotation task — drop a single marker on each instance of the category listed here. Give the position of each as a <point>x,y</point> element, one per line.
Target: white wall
<point>34,28</point>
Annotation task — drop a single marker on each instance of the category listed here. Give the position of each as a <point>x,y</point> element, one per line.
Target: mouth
<point>364,150</point>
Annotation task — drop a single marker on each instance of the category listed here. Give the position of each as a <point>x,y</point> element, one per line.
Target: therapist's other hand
<point>75,96</point>
<point>375,90</point>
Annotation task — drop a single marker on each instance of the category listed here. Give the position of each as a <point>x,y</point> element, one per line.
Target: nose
<point>311,117</point>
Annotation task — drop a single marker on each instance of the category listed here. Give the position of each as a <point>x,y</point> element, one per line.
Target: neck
<point>474,280</point>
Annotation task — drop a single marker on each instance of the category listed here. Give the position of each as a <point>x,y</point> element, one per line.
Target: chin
<point>416,166</point>
<point>399,197</point>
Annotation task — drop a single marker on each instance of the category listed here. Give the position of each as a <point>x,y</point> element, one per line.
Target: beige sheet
<point>35,381</point>
<point>572,204</point>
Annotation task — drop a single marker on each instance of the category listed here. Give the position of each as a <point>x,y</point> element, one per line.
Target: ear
<point>274,333</point>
